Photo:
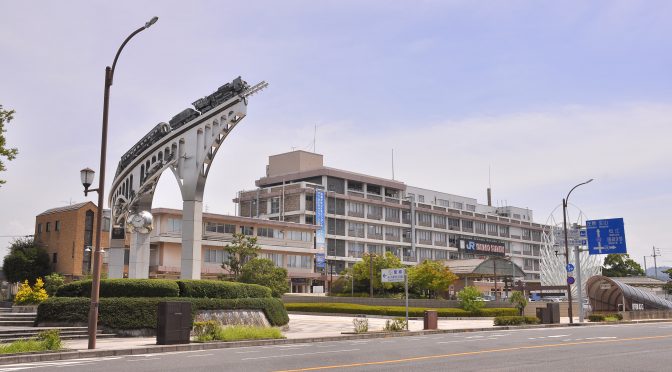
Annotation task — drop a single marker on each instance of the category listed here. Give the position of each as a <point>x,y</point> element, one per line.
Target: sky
<point>529,97</point>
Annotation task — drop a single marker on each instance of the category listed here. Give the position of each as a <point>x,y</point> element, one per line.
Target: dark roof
<point>67,208</point>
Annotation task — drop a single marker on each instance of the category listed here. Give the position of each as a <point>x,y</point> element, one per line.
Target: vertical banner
<point>320,233</point>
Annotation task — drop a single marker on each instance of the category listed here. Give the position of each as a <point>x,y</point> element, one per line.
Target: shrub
<point>122,288</point>
<point>345,308</point>
<point>239,332</point>
<point>221,289</point>
<point>395,325</point>
<point>596,318</point>
<point>139,313</point>
<point>52,282</point>
<point>515,320</point>
<point>601,317</point>
<point>470,299</point>
<point>361,324</point>
<point>46,340</point>
<point>51,339</point>
<point>31,296</point>
<point>206,331</point>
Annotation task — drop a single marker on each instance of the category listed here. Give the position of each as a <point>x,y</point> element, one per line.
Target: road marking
<point>248,352</point>
<point>558,336</point>
<point>141,359</point>
<point>198,356</point>
<point>56,363</point>
<point>429,357</point>
<point>291,355</point>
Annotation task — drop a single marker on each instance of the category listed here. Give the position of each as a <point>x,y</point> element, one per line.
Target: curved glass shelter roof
<point>484,268</point>
<point>606,294</point>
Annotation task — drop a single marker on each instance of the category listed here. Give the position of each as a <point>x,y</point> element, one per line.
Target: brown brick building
<point>69,235</point>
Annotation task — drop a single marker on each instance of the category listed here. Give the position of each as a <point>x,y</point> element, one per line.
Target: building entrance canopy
<point>606,294</point>
<point>485,268</point>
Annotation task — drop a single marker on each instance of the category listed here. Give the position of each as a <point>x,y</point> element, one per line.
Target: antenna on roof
<point>393,164</point>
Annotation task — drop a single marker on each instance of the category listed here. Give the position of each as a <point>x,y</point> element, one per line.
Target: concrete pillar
<point>115,260</point>
<point>138,261</point>
<point>192,233</point>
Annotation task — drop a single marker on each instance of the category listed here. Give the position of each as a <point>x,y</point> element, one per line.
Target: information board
<point>606,236</point>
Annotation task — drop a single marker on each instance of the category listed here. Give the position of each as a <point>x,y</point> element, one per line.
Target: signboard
<point>605,286</point>
<point>575,237</point>
<point>637,307</point>
<point>570,268</point>
<point>118,233</point>
<point>392,275</point>
<point>570,280</point>
<point>606,236</point>
<point>481,247</point>
<point>320,241</point>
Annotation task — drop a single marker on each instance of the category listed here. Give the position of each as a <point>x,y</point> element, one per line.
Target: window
<point>391,214</point>
<point>391,193</point>
<point>276,258</point>
<point>373,189</point>
<point>275,205</point>
<point>468,225</point>
<point>480,227</point>
<point>299,235</point>
<point>247,230</point>
<point>457,205</point>
<point>424,254</point>
<point>336,247</point>
<point>504,230</point>
<point>355,209</point>
<point>391,233</point>
<point>374,212</point>
<point>48,226</point>
<point>355,250</point>
<point>440,222</point>
<point>39,228</point>
<point>536,235</point>
<point>492,229</point>
<point>217,256</point>
<point>335,206</point>
<point>443,202</point>
<point>440,254</point>
<point>298,261</point>
<point>57,225</point>
<point>356,229</point>
<point>335,226</point>
<point>220,228</point>
<point>174,225</point>
<point>421,198</point>
<point>265,232</point>
<point>355,186</point>
<point>374,231</point>
<point>453,224</point>
<point>424,236</point>
<point>425,219</point>
<point>452,241</point>
<point>106,223</point>
<point>394,250</point>
<point>440,238</point>
<point>527,249</point>
<point>526,234</point>
<point>471,208</point>
<point>375,248</point>
<point>406,217</point>
<point>406,235</point>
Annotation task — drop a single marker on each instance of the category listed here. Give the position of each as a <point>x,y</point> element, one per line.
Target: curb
<point>66,355</point>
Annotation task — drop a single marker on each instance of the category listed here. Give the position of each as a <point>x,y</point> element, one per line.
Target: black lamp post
<point>87,176</point>
<point>564,224</point>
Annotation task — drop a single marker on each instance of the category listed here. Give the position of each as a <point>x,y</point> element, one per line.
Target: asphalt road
<point>643,347</point>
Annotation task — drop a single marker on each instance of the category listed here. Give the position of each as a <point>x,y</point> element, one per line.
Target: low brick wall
<point>647,314</point>
<point>531,308</point>
<point>288,298</point>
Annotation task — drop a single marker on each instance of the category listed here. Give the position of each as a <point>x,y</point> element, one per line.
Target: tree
<point>519,300</point>
<point>27,260</point>
<point>617,265</point>
<point>10,153</point>
<point>431,277</point>
<point>668,286</point>
<point>262,271</point>
<point>470,299</point>
<point>361,270</point>
<point>242,249</point>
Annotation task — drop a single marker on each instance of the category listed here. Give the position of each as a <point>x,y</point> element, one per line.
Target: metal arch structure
<point>187,146</point>
<point>553,271</point>
<point>606,294</point>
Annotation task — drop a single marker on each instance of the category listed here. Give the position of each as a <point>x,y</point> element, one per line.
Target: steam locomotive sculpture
<point>227,91</point>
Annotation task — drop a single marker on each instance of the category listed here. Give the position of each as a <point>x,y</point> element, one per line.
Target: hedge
<point>605,317</point>
<point>221,289</point>
<point>344,308</point>
<point>139,313</point>
<point>515,320</point>
<point>122,288</point>
<point>165,288</point>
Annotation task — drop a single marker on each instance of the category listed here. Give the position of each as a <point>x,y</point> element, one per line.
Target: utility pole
<point>645,266</point>
<point>371,275</point>
<point>655,263</point>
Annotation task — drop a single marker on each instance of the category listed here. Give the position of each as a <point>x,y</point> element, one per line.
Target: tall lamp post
<point>564,224</point>
<point>87,175</point>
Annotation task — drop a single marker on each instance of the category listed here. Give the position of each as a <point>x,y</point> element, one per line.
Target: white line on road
<point>247,352</point>
<point>141,359</point>
<point>198,356</point>
<point>291,355</point>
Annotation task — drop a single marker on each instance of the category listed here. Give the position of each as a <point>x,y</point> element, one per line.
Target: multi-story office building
<point>377,215</point>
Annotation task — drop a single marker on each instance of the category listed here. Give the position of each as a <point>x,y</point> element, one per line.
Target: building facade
<point>366,214</point>
<point>69,235</point>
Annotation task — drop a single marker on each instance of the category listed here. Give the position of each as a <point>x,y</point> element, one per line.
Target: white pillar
<point>138,261</point>
<point>192,233</point>
<point>115,262</point>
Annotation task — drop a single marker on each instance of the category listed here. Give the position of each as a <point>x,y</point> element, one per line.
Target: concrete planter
<point>24,308</point>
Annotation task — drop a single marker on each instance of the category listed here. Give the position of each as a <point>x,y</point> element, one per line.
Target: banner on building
<point>482,247</point>
<point>320,241</point>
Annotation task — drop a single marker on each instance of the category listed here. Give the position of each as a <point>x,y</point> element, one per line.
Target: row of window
<point>57,226</point>
<point>219,256</point>
<point>175,225</point>
<point>336,247</point>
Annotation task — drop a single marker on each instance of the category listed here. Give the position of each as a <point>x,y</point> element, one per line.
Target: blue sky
<point>545,94</point>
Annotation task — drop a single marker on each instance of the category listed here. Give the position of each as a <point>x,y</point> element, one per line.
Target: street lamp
<point>564,225</point>
<point>87,179</point>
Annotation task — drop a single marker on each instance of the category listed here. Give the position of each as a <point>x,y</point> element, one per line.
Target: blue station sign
<point>606,236</point>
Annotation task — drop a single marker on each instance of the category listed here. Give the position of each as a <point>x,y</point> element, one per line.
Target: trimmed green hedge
<point>601,317</point>
<point>343,308</point>
<point>515,320</point>
<point>122,288</point>
<point>221,289</point>
<point>165,288</point>
<point>139,313</point>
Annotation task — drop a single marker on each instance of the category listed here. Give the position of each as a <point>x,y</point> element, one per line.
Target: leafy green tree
<point>52,282</point>
<point>431,277</point>
<point>27,260</point>
<point>361,270</point>
<point>519,300</point>
<point>10,153</point>
<point>242,249</point>
<point>618,265</point>
<point>668,286</point>
<point>470,299</point>
<point>262,271</point>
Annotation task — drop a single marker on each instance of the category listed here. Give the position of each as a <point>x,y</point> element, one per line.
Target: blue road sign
<point>570,280</point>
<point>606,236</point>
<point>570,268</point>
